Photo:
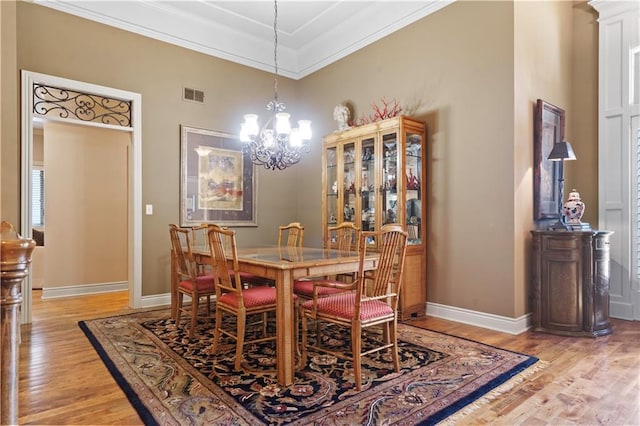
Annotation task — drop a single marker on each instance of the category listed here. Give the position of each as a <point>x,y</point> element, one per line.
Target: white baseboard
<point>480,319</point>
<point>451,313</point>
<point>157,300</point>
<point>83,289</point>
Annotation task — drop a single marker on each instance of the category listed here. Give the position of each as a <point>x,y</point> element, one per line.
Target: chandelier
<point>276,145</point>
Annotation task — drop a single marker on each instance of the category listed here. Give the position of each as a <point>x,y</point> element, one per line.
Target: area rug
<point>172,380</point>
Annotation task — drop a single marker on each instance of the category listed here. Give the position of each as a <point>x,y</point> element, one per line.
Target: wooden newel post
<point>16,257</point>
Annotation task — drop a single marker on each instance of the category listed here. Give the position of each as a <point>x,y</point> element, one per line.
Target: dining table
<point>284,265</point>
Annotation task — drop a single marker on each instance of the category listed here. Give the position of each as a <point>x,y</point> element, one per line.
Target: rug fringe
<point>495,393</point>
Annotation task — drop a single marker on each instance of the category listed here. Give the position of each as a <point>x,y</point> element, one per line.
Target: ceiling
<point>311,34</point>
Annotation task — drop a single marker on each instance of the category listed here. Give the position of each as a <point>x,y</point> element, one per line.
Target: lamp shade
<point>561,151</point>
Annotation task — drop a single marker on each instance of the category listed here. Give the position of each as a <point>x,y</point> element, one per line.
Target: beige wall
<point>542,68</point>
<point>459,69</point>
<point>461,83</point>
<point>86,205</point>
<point>9,117</point>
<point>582,118</point>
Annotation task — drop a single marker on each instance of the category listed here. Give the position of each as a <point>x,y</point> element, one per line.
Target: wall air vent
<point>193,95</point>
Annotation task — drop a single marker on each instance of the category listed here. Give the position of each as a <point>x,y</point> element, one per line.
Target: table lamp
<point>561,151</point>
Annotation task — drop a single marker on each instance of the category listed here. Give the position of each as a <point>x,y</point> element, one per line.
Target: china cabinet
<point>571,282</point>
<point>373,175</point>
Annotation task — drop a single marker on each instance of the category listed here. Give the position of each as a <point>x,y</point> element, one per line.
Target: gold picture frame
<point>217,181</point>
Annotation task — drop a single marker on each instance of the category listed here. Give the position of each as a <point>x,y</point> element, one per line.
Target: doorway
<point>64,89</point>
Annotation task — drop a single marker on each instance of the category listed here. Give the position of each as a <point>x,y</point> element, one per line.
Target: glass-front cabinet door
<point>389,186</point>
<point>413,186</point>
<point>349,182</point>
<point>367,191</point>
<point>331,186</point>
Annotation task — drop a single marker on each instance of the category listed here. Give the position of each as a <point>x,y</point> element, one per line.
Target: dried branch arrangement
<point>388,109</point>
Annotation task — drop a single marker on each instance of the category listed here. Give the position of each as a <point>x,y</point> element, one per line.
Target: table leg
<point>285,326</point>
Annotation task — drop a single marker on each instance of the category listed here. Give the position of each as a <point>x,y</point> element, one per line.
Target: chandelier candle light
<point>276,145</point>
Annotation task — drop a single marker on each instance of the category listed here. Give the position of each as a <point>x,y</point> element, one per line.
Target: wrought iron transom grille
<point>64,103</point>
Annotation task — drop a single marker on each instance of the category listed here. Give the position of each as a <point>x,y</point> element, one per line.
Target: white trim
<point>618,26</point>
<point>480,319</point>
<point>134,275</point>
<point>156,300</point>
<point>83,289</point>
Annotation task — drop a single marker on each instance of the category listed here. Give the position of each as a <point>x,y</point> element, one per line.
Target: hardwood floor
<point>587,381</point>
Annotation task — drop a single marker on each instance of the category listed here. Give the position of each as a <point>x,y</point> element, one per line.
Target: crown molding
<point>366,23</point>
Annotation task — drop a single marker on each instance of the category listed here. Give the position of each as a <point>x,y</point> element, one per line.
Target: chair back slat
<point>200,239</point>
<point>294,233</point>
<point>385,281</point>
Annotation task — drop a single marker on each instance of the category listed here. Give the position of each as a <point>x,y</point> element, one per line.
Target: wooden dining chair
<point>231,297</point>
<point>372,304</point>
<point>343,237</point>
<point>187,277</point>
<point>290,235</point>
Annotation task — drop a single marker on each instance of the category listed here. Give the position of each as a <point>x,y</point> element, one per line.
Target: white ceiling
<point>311,34</point>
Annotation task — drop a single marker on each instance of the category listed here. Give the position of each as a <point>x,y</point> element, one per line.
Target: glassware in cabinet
<point>389,187</point>
<point>414,187</point>
<point>331,186</point>
<point>367,191</point>
<point>349,182</point>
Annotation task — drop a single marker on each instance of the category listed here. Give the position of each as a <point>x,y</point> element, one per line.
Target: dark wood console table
<point>570,288</point>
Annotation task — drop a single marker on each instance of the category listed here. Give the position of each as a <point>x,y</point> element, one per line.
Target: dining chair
<point>372,304</point>
<point>290,235</point>
<point>187,277</point>
<point>342,237</point>
<point>231,297</point>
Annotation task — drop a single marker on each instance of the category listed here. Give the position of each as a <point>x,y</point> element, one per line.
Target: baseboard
<point>157,300</point>
<point>83,289</point>
<point>451,313</point>
<point>480,319</point>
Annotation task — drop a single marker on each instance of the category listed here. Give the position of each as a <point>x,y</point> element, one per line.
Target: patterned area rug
<point>171,380</point>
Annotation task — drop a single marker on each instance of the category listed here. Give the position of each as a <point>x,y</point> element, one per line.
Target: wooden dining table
<point>284,265</point>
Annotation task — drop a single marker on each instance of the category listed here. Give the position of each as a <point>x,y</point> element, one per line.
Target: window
<point>37,197</point>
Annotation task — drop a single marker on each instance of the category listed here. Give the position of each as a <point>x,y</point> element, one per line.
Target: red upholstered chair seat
<point>204,283</point>
<point>254,296</point>
<point>343,305</point>
<point>305,288</point>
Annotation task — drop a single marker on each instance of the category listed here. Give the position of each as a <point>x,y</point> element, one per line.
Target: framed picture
<point>548,130</point>
<point>217,182</point>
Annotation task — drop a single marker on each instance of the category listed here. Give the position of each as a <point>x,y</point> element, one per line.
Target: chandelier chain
<point>275,49</point>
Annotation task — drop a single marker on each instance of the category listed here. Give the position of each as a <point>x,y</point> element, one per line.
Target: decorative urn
<point>573,208</point>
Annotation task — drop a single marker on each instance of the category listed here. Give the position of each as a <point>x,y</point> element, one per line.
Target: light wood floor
<point>587,382</point>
